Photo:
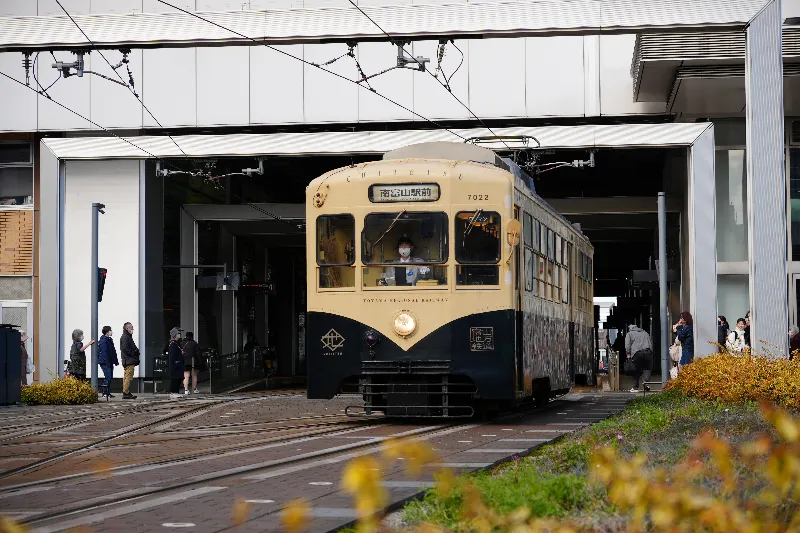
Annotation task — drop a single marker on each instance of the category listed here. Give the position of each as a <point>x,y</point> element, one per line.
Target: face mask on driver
<point>404,252</point>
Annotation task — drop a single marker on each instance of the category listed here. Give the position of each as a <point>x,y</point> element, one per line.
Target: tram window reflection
<point>478,275</point>
<point>477,235</point>
<point>335,251</point>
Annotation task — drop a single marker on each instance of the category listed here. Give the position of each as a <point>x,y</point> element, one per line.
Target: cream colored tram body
<point>493,304</point>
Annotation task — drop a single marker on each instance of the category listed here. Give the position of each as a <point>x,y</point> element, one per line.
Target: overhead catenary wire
<point>309,63</point>
<point>444,85</point>
<point>152,155</point>
<point>118,75</point>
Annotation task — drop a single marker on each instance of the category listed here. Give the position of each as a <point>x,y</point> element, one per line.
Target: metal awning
<point>658,57</point>
<point>366,142</point>
<point>342,24</point>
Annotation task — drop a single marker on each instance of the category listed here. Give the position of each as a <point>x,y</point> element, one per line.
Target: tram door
<point>518,281</point>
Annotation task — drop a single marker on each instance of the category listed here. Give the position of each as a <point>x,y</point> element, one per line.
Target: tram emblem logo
<point>332,340</point>
<point>481,339</point>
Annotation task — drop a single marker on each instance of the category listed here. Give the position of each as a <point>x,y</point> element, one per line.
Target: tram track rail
<point>339,453</point>
<point>128,431</point>
<point>316,431</point>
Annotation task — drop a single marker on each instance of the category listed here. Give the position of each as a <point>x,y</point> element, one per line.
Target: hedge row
<point>741,378</point>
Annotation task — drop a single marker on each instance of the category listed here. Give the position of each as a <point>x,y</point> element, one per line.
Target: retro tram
<point>439,282</point>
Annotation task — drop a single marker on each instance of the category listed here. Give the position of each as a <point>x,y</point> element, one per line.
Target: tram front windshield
<point>405,249</point>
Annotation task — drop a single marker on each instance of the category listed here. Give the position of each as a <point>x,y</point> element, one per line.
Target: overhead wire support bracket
<point>415,63</point>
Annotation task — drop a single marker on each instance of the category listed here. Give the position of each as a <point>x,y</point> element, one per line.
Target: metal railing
<point>229,370</point>
<point>221,373</point>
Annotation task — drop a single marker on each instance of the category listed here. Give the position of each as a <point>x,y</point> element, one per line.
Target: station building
<point>208,162</point>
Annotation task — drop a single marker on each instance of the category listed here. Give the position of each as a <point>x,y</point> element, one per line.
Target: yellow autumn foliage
<point>736,378</point>
<point>60,391</point>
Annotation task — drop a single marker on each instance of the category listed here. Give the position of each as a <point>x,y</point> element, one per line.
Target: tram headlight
<point>405,325</point>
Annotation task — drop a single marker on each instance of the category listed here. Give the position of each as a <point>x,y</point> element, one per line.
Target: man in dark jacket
<point>130,359</point>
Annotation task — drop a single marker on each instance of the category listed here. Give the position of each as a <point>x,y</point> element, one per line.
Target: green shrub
<point>60,391</point>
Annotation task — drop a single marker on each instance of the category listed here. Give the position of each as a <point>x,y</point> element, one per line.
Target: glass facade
<point>794,199</point>
<point>733,296</point>
<point>731,187</point>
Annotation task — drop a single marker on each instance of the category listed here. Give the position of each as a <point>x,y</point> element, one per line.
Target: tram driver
<point>406,274</point>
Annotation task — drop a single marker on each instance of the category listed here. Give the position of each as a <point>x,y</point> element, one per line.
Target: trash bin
<point>10,377</point>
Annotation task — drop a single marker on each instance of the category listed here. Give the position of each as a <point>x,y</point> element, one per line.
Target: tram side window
<point>528,272</point>
<point>477,235</point>
<point>404,249</point>
<point>335,251</point>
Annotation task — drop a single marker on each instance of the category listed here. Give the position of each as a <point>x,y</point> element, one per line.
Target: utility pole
<point>662,285</point>
<point>96,210</point>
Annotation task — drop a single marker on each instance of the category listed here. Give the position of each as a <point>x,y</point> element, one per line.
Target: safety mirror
<point>514,231</point>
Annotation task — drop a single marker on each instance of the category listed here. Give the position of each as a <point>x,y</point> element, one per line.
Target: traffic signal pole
<point>96,210</point>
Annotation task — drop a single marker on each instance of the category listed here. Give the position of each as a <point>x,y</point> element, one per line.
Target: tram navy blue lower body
<point>442,375</point>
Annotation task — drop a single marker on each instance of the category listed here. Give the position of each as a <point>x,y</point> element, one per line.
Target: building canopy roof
<point>366,142</point>
<point>343,24</point>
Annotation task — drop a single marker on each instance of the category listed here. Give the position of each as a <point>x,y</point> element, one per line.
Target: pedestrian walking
<point>685,330</point>
<point>77,359</point>
<point>24,359</point>
<point>191,362</point>
<point>794,341</point>
<point>175,360</point>
<point>638,343</point>
<point>736,342</point>
<point>107,359</point>
<point>130,359</point>
<point>723,329</point>
<point>747,339</point>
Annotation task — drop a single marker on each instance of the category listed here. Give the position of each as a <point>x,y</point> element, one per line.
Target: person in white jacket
<point>736,339</point>
<point>405,273</point>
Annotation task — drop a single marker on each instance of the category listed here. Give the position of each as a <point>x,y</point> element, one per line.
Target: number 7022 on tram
<point>439,282</point>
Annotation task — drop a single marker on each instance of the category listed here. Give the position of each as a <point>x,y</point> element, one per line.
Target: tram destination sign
<point>407,192</point>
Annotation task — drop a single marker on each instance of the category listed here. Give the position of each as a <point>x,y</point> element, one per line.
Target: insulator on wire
<point>26,64</point>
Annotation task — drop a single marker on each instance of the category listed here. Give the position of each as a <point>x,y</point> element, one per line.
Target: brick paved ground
<point>253,449</point>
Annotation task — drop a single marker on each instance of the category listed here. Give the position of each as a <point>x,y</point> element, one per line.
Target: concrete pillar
<point>766,182</point>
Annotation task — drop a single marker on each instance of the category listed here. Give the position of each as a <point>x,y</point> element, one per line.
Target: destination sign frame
<point>404,192</point>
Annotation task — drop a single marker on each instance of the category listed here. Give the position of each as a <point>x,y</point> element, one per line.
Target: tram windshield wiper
<point>471,221</point>
<point>401,213</point>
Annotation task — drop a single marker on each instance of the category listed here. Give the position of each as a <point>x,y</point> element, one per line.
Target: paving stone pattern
<point>205,470</point>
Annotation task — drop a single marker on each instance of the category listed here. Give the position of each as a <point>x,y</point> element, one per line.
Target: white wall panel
<point>169,86</point>
<point>554,82</point>
<point>329,98</point>
<point>114,106</point>
<point>116,6</point>
<point>17,8</point>
<point>433,101</point>
<point>223,86</point>
<point>75,7</point>
<point>397,84</point>
<point>497,77</point>
<point>591,75</point>
<point>115,184</point>
<point>276,85</point>
<point>72,92</point>
<point>154,6</point>
<point>18,111</point>
<point>616,84</point>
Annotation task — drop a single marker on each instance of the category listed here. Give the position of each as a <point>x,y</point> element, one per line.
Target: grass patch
<point>552,481</point>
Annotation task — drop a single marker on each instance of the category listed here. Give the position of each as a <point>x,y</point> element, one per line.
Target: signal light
<point>101,282</point>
